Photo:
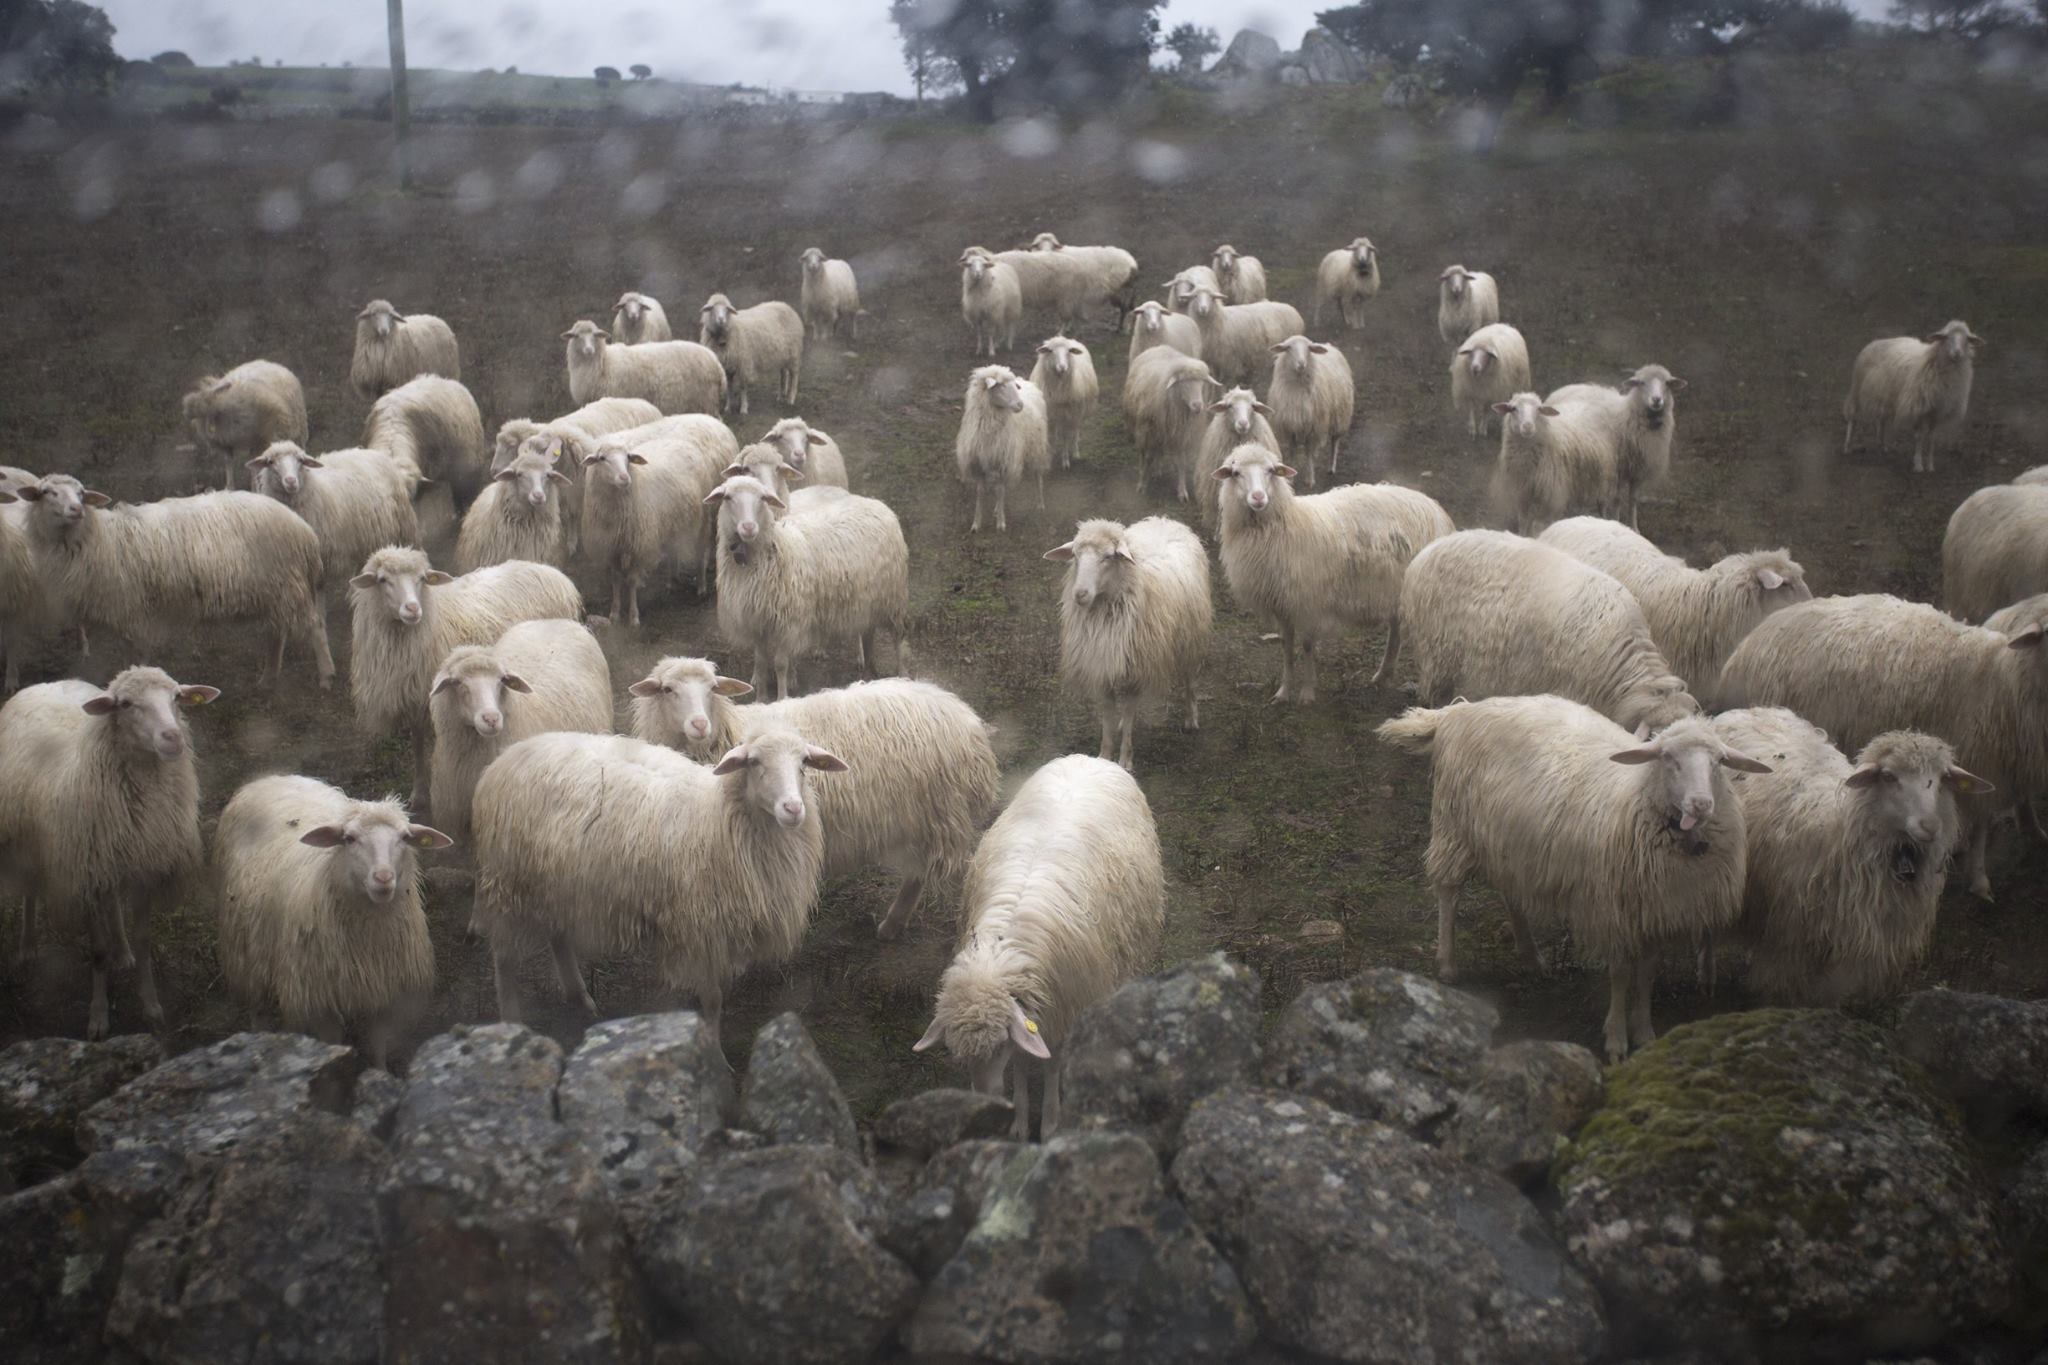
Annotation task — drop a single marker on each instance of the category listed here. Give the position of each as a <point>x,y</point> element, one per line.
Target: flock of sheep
<point>1574,764</point>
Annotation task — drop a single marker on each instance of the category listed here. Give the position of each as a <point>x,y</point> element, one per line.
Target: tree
<point>1032,52</point>
<point>931,71</point>
<point>171,58</point>
<point>1191,43</point>
<point>606,75</point>
<point>1969,19</point>
<point>61,46</point>
<point>640,71</point>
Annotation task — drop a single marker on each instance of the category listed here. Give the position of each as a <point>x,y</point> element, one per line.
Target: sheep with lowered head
<point>392,347</point>
<point>1551,462</point>
<point>991,299</point>
<point>432,428</point>
<point>1237,339</point>
<point>1242,278</point>
<point>1152,325</point>
<point>319,922</point>
<point>1491,367</point>
<point>1003,439</point>
<point>518,516</point>
<point>356,501</point>
<point>240,414</point>
<point>580,428</point>
<point>1311,397</point>
<point>1064,376</point>
<point>675,376</point>
<point>1064,903</point>
<point>1995,551</point>
<point>1466,300</point>
<point>1074,279</point>
<point>809,451</point>
<point>1637,422</point>
<point>638,318</point>
<point>1348,277</point>
<point>1920,386</point>
<point>921,775</point>
<point>643,502</point>
<point>829,294</point>
<point>1637,844</point>
<point>753,344</point>
<point>1165,396</point>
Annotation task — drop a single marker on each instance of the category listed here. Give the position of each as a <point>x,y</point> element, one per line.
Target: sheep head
<point>687,694</point>
<point>586,339</point>
<point>1254,475</point>
<point>1523,415</point>
<point>1908,782</point>
<point>1098,558</point>
<point>142,705</point>
<point>1242,405</point>
<point>374,849</point>
<point>772,767</point>
<point>1653,388</point>
<point>1297,354</point>
<point>398,577</point>
<point>1685,785</point>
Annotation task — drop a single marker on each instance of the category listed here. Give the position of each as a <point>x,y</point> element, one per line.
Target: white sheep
<point>1635,844</point>
<point>238,415</point>
<point>1075,279</point>
<point>1064,902</point>
<point>23,608</point>
<point>1182,288</point>
<point>991,299</point>
<point>921,774</point>
<point>1153,325</point>
<point>1638,423</point>
<point>1165,396</point>
<point>1237,418</point>
<point>1466,300</point>
<point>638,318</point>
<point>319,918</point>
<point>2038,474</point>
<point>536,677</point>
<point>1311,398</point>
<point>1491,367</point>
<point>1550,464</point>
<point>575,430</point>
<point>643,504</point>
<point>1064,376</point>
<point>809,451</point>
<point>1237,339</point>
<point>1995,550</point>
<point>99,816</point>
<point>1243,278</point>
<point>519,515</point>
<point>393,347</point>
<point>829,294</point>
<point>799,576</point>
<point>1696,616</point>
<point>1920,386</point>
<point>1003,439</point>
<point>754,344</point>
<point>1348,277</point>
<point>409,616</point>
<point>1135,615</point>
<point>432,428</point>
<point>1319,562</point>
<point>675,376</point>
<point>356,501</point>
<point>602,846</point>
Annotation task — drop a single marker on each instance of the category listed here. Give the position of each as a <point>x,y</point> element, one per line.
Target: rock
<point>211,1098</point>
<point>1990,1053</point>
<point>1250,53</point>
<point>2023,1195</point>
<point>375,1107</point>
<point>1528,1100</point>
<point>928,1123</point>
<point>1294,74</point>
<point>46,1083</point>
<point>500,1241</point>
<point>772,1258</point>
<point>1081,1255</point>
<point>1780,1177</point>
<point>269,1253</point>
<point>1139,1058</point>
<point>929,1221</point>
<point>790,1095</point>
<point>1327,60</point>
<point>1404,91</point>
<point>1384,1045</point>
<point>1358,1243</point>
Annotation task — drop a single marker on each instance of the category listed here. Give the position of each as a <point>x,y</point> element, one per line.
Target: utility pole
<point>401,112</point>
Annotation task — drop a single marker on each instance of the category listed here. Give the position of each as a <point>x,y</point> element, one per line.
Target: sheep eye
<point>1890,779</point>
<point>348,838</point>
<point>126,704</point>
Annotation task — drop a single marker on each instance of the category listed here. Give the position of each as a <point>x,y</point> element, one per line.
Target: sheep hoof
<point>1981,889</point>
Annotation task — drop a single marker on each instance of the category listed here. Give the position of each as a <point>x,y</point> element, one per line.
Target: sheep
<point>639,318</point>
<point>1064,376</point>
<point>601,845</point>
<point>1237,418</point>
<point>1074,279</point>
<point>1002,439</point>
<point>1182,288</point>
<point>1846,861</point>
<point>829,294</point>
<point>2038,474</point>
<point>1537,794</point>
<point>319,916</point>
<point>393,347</point>
<point>1995,550</point>
<point>752,344</point>
<point>1859,666</point>
<point>1318,562</point>
<point>1243,278</point>
<point>991,299</point>
<point>148,569</point>
<point>643,503</point>
<point>1236,338</point>
<point>431,427</point>
<point>921,775</point>
<point>795,577</point>
<point>1491,367</point>
<point>408,616</point>
<point>577,429</point>
<point>1311,397</point>
<point>1466,300</point>
<point>237,415</point>
<point>1550,464</point>
<point>1638,423</point>
<point>809,451</point>
<point>1921,386</point>
<point>675,376</point>
<point>1134,620</point>
<point>355,500</point>
<point>99,816</point>
<point>1696,616</point>
<point>519,516</point>
<point>1064,902</point>
<point>536,677</point>
<point>1348,277</point>
<point>1165,396</point>
<point>23,609</point>
<point>1152,325</point>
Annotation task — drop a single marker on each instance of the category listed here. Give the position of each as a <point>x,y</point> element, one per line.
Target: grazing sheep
<point>1065,377</point>
<point>1466,300</point>
<point>644,502</point>
<point>1237,418</point>
<point>320,920</point>
<point>1152,325</point>
<point>1165,396</point>
<point>1859,666</point>
<point>1348,277</point>
<point>1491,367</point>
<point>431,427</point>
<point>1493,615</point>
<point>1550,464</point>
<point>238,415</point>
<point>1242,278</point>
<point>1134,620</point>
<point>409,616</point>
<point>752,344</point>
<point>1182,288</point>
<point>536,677</point>
<point>1311,398</point>
<point>921,775</point>
<point>1920,386</point>
<point>519,516</point>
<point>675,376</point>
<point>393,347</point>
<point>639,318</point>
<point>809,451</point>
<point>1319,562</point>
<point>829,295</point>
<point>1074,279</point>
<point>1696,616</point>
<point>1638,423</point>
<point>1065,901</point>
<point>1544,798</point>
<point>578,431</point>
<point>99,816</point>
<point>991,299</point>
<point>356,501</point>
<point>1996,549</point>
<point>1237,338</point>
<point>1002,438</point>
<point>1846,861</point>
<point>604,846</point>
<point>799,576</point>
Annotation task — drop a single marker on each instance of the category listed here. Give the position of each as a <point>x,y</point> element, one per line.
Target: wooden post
<point>401,112</point>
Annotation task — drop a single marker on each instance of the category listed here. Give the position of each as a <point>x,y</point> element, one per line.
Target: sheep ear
<point>322,836</point>
<point>442,682</point>
<point>94,498</point>
<point>732,687</point>
<point>734,760</point>
<point>646,687</point>
<point>1043,348</point>
<point>1642,731</point>
<point>591,459</point>
<point>507,473</point>
<point>1547,410</point>
<point>1674,383</point>
<point>1506,407</point>
<point>30,492</point>
<point>1465,350</point>
<point>1629,383</point>
<point>436,578</point>
<point>816,438</point>
<point>2029,638</point>
<point>1742,763</point>
<point>1277,347</point>
<point>568,336</point>
<point>426,836</point>
<point>222,387</point>
<point>557,476</point>
<point>1642,753</point>
<point>714,497</point>
<point>1285,471</point>
<point>197,694</point>
<point>1865,776</point>
<point>1062,553</point>
<point>1965,783</point>
<point>7,497</point>
<point>1123,552</point>
<point>1218,406</point>
<point>635,457</point>
<point>824,760</point>
<point>732,471</point>
<point>790,472</point>
<point>1261,409</point>
<point>309,462</point>
<point>1024,1033</point>
<point>262,461</point>
<point>601,332</point>
<point>1223,472</point>
<point>363,580</point>
<point>930,1039</point>
<point>777,503</point>
<point>1318,348</point>
<point>99,706</point>
<point>515,683</point>
<point>1770,579</point>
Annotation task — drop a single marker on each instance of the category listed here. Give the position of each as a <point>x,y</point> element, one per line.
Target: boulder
<point>790,1095</point>
<point>1358,1243</point>
<point>1771,1180</point>
<point>375,1107</point>
<point>207,1100</point>
<point>928,1123</point>
<point>1328,60</point>
<point>1293,73</point>
<point>2024,1198</point>
<point>1250,54</point>
<point>929,1220</point>
<point>1990,1053</point>
<point>1405,91</point>
<point>1527,1101</point>
<point>46,1083</point>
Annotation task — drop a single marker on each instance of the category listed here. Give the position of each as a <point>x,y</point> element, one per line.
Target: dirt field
<point>1753,259</point>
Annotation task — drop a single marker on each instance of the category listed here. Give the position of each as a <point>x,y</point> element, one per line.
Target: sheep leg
<point>377,1036</point>
<point>506,974</point>
<point>744,409</point>
<point>1049,1120</point>
<point>1446,925</point>
<point>710,1005</point>
<point>2033,819</point>
<point>1525,942</point>
<point>100,951</point>
<point>25,950</point>
<point>901,909</point>
<point>1310,462</point>
<point>706,551</point>
<point>1127,722</point>
<point>1021,1096</point>
<point>1306,693</point>
<point>10,647</point>
<point>980,491</point>
<point>1141,466</point>
<point>1848,435</point>
<point>1705,968</point>
<point>316,627</point>
<point>1621,978</point>
<point>1107,713</point>
<point>782,677</point>
<point>1286,692</point>
<point>1041,490</point>
<point>277,664</point>
<point>1630,498</point>
<point>633,599</point>
<point>145,971</point>
<point>867,655</point>
<point>1980,837</point>
<point>574,992</point>
<point>1641,1032</point>
<point>422,772</point>
<point>1002,499</point>
<point>617,583</point>
<point>227,475</point>
<point>1391,653</point>
<point>762,664</point>
<point>1336,449</point>
<point>795,376</point>
<point>1194,716</point>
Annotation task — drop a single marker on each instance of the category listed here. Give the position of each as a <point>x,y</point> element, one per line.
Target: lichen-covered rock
<point>375,1106</point>
<point>1776,1178</point>
<point>500,1242</point>
<point>1328,60</point>
<point>1251,53</point>
<point>1358,1243</point>
<point>930,1122</point>
<point>1139,1058</point>
<point>790,1095</point>
<point>1385,1045</point>
<point>1081,1255</point>
<point>772,1257</point>
<point>931,1218</point>
<point>1989,1052</point>
<point>2023,1197</point>
<point>1527,1101</point>
<point>46,1083</point>
<point>210,1098</point>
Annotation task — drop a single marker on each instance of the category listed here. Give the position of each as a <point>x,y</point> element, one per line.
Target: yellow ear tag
<point>1031,1024</point>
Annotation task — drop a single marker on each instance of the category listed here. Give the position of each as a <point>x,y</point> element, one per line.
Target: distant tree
<point>62,46</point>
<point>1032,52</point>
<point>511,70</point>
<point>277,61</point>
<point>606,75</point>
<point>172,58</point>
<point>931,71</point>
<point>1958,18</point>
<point>226,96</point>
<point>1191,43</point>
<point>640,71</point>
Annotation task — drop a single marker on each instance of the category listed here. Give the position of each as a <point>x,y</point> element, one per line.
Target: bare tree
<point>401,106</point>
